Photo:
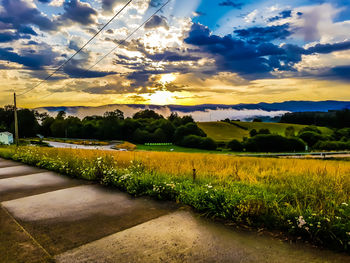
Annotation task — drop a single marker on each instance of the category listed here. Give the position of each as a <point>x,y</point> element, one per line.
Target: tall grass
<point>307,198</point>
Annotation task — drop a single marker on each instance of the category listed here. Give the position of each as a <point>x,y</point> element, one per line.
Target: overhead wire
<point>78,51</point>
<point>122,42</point>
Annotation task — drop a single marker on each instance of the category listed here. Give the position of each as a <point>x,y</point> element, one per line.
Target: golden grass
<point>250,169</point>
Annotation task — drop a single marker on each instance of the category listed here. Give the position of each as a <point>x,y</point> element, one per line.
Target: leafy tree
<point>115,115</point>
<point>310,137</point>
<point>194,141</point>
<point>253,133</point>
<point>188,129</point>
<point>235,146</point>
<point>147,114</point>
<point>273,143</point>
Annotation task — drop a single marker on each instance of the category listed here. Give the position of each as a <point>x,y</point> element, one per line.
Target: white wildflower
<point>301,221</point>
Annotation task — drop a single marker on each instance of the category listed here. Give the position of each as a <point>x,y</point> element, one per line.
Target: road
<point>46,217</point>
<point>79,146</point>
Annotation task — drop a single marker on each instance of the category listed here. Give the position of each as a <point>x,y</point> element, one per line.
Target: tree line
<point>145,126</point>
<point>334,119</point>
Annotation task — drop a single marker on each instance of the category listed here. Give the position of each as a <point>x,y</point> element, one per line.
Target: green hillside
<point>224,132</point>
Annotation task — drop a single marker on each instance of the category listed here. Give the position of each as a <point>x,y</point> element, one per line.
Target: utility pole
<point>16,119</point>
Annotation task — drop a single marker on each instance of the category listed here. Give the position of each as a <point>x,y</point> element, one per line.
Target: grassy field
<point>224,132</point>
<point>306,199</point>
<point>174,149</point>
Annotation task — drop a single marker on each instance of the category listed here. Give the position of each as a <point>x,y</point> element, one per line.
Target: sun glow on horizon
<point>161,98</point>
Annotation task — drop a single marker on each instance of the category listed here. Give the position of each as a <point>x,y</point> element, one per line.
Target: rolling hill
<point>224,132</point>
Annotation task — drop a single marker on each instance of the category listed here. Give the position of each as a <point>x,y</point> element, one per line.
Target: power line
<point>78,51</point>
<point>123,41</point>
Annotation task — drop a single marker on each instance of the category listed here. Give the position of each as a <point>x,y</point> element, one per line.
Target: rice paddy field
<point>224,132</point>
<point>304,199</point>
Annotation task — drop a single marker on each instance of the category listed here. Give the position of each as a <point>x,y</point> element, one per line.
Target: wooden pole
<point>16,119</point>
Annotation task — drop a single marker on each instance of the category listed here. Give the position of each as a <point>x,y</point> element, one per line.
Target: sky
<point>191,52</point>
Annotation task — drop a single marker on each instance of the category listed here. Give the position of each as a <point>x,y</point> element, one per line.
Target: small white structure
<point>6,138</point>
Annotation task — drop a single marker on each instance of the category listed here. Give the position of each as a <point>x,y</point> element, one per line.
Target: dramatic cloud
<point>231,3</point>
<point>282,15</point>
<point>197,51</point>
<point>79,12</point>
<point>252,55</point>
<point>108,5</point>
<point>75,72</point>
<point>20,13</point>
<point>29,58</point>
<point>157,21</point>
<point>264,34</point>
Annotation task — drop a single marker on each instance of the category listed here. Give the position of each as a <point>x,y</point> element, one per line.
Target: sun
<point>167,78</point>
<point>161,98</point>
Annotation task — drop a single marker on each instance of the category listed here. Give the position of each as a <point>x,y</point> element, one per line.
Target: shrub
<point>273,143</point>
<point>310,137</point>
<point>332,145</point>
<point>253,133</point>
<point>235,146</point>
<point>188,129</point>
<point>194,141</point>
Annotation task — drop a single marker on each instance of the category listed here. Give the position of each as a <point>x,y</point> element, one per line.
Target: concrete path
<point>46,217</point>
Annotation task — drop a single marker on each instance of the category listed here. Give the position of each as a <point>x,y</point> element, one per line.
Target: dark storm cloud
<point>264,34</point>
<point>231,3</point>
<point>157,21</point>
<point>341,72</point>
<point>8,37</point>
<point>27,30</point>
<point>76,72</point>
<point>282,15</point>
<point>79,12</point>
<point>328,48</point>
<point>108,5</point>
<point>18,13</point>
<point>255,59</point>
<point>44,1</point>
<point>29,58</point>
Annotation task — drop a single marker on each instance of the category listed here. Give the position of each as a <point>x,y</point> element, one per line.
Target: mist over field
<point>198,115</point>
<point>207,112</point>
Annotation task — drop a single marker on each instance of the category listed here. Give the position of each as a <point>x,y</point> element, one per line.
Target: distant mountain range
<point>209,112</point>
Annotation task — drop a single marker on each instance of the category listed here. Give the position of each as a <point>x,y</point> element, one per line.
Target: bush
<point>310,137</point>
<point>273,143</point>
<point>235,146</point>
<point>188,129</point>
<point>332,145</point>
<point>194,141</point>
<point>253,133</point>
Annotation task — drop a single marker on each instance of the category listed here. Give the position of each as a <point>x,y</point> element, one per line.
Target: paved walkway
<point>46,217</point>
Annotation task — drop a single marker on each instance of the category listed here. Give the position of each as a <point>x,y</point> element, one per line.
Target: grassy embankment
<point>302,198</point>
<point>224,132</point>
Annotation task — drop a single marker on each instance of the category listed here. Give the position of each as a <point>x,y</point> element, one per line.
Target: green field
<point>173,148</point>
<point>224,132</point>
